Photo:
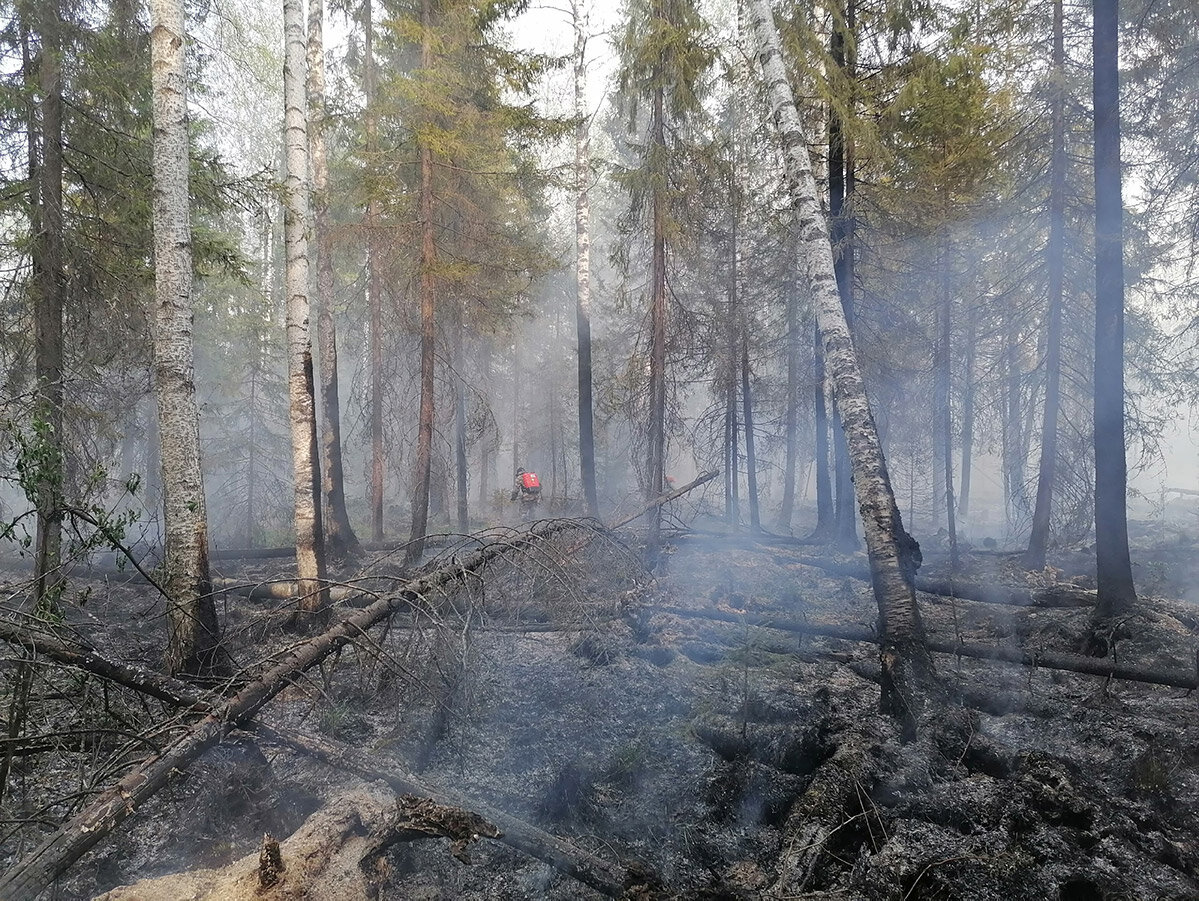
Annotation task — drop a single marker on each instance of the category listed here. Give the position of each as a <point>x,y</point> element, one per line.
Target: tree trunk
<point>943,415</point>
<point>340,540</point>
<point>894,555</point>
<point>583,263</point>
<point>732,440</point>
<point>791,415</point>
<point>374,284</point>
<point>1013,444</point>
<point>825,514</point>
<point>192,629</point>
<point>460,466</point>
<point>486,464</point>
<point>428,258</point>
<point>841,235</point>
<point>656,465</point>
<point>310,540</point>
<point>1055,257</point>
<point>49,289</point>
<point>967,423</point>
<point>1114,572</point>
<point>751,466</point>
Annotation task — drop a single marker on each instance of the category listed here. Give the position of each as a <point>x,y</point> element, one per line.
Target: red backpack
<point>529,482</point>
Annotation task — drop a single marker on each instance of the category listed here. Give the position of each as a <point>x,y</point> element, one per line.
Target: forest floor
<point>657,725</point>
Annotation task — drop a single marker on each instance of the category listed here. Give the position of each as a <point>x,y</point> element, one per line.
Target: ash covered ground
<point>655,724</point>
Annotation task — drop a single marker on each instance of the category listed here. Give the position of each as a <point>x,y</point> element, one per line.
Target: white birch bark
<point>302,404</point>
<point>893,554</point>
<point>192,630</point>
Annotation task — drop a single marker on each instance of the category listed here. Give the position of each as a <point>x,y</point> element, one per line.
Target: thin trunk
<point>658,312</point>
<point>825,515</point>
<point>755,514</point>
<point>907,668</point>
<point>374,284</point>
<point>192,629</point>
<point>1013,468</point>
<point>485,444</point>
<point>50,301</point>
<point>791,416</point>
<point>310,540</point>
<point>943,415</point>
<point>516,420</point>
<point>340,540</point>
<point>1055,256</point>
<point>460,466</point>
<point>1114,572</point>
<point>583,264</point>
<point>967,423</point>
<point>428,258</point>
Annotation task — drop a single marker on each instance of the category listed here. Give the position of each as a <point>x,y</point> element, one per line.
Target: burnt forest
<point>660,450</point>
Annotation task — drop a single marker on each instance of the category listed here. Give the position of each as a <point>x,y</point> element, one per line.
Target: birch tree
<point>300,389</point>
<point>894,555</point>
<point>192,629</point>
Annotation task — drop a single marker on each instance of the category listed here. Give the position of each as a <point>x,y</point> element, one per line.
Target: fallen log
<point>666,498</point>
<point>164,688</point>
<point>561,855</point>
<point>1074,663</point>
<point>37,870</point>
<point>1049,597</point>
<point>280,590</point>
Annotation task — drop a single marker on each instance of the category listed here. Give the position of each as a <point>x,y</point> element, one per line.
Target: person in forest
<point>527,490</point>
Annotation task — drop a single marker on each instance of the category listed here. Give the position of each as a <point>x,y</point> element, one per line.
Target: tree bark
<point>428,287</point>
<point>49,290</point>
<point>340,540</point>
<point>583,262</point>
<point>460,465</point>
<point>943,414</point>
<point>825,513</point>
<point>192,629</point>
<point>374,284</point>
<point>656,464</point>
<point>310,540</point>
<point>1114,567</point>
<point>1055,257</point>
<point>894,555</point>
<point>791,415</point>
<point>967,453</point>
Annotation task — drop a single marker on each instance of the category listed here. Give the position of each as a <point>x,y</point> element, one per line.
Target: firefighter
<point>527,490</point>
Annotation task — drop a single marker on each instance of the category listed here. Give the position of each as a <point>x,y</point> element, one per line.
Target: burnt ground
<point>712,758</point>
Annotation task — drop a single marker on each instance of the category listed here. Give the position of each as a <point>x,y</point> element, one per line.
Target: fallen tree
<point>109,809</point>
<point>1043,659</point>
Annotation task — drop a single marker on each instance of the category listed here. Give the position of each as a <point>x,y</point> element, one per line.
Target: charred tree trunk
<point>428,257</point>
<point>967,424</point>
<point>583,263</point>
<point>908,674</point>
<point>192,629</point>
<point>1055,255</point>
<point>1114,572</point>
<point>340,540</point>
<point>943,415</point>
<point>460,465</point>
<point>310,539</point>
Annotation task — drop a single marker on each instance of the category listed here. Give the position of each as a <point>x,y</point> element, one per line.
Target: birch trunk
<point>583,263</point>
<point>340,540</point>
<point>424,440</point>
<point>310,556</point>
<point>894,555</point>
<point>192,630</point>
<point>1055,259</point>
